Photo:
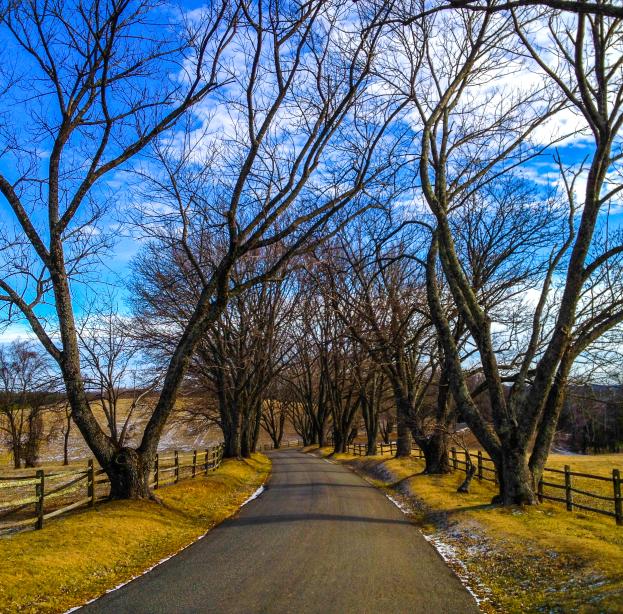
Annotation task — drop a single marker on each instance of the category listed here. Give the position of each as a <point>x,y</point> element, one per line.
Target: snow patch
<point>403,508</point>
<point>255,495</point>
<point>564,451</point>
<point>449,554</point>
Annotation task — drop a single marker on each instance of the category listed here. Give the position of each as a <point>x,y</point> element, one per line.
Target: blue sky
<point>112,269</point>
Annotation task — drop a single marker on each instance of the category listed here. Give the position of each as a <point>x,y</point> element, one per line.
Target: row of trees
<point>352,178</point>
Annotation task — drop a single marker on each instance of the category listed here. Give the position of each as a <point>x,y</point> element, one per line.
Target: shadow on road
<point>257,520</point>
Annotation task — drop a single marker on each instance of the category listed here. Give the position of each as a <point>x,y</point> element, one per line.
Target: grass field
<point>80,556</point>
<point>179,434</point>
<point>540,559</point>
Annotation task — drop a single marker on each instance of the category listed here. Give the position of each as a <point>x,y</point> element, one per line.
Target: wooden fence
<point>360,449</point>
<point>29,500</point>
<point>292,443</point>
<point>599,494</point>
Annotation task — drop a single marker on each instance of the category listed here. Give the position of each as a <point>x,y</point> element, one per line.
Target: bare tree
<point>306,379</point>
<point>374,397</point>
<point>106,70</point>
<point>381,298</point>
<point>273,418</point>
<point>95,89</point>
<point>530,406</point>
<point>27,387</point>
<point>110,355</point>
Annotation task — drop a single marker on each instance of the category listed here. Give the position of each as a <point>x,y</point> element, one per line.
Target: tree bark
<point>435,450</point>
<point>403,442</point>
<point>371,443</point>
<point>339,442</point>
<point>66,441</point>
<point>515,479</point>
<point>129,475</point>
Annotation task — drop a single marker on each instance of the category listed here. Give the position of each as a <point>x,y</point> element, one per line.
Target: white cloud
<point>16,332</point>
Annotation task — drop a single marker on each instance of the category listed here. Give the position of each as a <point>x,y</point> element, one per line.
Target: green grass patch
<point>78,557</point>
<point>531,559</point>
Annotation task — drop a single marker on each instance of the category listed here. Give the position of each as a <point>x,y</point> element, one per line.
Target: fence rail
<point>599,494</point>
<point>292,443</point>
<point>28,501</point>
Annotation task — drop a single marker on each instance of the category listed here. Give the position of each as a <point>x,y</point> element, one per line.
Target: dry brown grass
<point>540,559</point>
<point>78,557</point>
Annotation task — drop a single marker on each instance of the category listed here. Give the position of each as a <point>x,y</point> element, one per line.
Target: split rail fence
<point>292,443</point>
<point>29,500</point>
<point>600,494</point>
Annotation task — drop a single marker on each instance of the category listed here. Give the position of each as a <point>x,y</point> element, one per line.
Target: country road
<point>319,540</point>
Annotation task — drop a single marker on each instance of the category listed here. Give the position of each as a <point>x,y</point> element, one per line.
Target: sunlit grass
<point>531,559</point>
<point>78,557</point>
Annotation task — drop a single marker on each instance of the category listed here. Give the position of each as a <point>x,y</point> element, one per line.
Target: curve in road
<point>318,540</point>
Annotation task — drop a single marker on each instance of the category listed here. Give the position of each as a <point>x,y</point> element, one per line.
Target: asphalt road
<point>318,540</point>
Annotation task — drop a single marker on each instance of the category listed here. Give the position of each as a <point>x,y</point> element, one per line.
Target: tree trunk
<point>371,443</point>
<point>256,427</point>
<point>33,442</point>
<point>436,456</point>
<point>403,443</point>
<point>231,436</point>
<point>371,423</point>
<point>386,430</point>
<point>246,442</point>
<point>129,475</point>
<point>515,479</point>
<point>17,456</point>
<point>549,421</point>
<point>339,442</point>
<point>436,447</point>
<point>231,427</point>
<point>247,431</point>
<point>66,441</point>
<point>320,438</point>
<point>470,471</point>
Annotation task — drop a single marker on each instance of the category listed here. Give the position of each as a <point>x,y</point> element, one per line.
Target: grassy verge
<point>541,559</point>
<point>77,558</point>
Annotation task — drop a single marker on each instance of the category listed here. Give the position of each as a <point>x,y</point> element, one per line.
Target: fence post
<point>480,465</point>
<point>618,508</point>
<point>568,493</point>
<point>156,472</point>
<point>206,464</point>
<point>453,450</point>
<point>194,462</point>
<point>539,490</point>
<point>91,483</point>
<point>40,494</point>
<point>177,467</point>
